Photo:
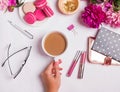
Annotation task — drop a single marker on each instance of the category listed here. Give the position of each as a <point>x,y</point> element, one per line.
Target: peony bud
<point>11,8</point>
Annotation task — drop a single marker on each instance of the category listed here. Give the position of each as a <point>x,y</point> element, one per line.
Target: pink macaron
<point>39,15</point>
<point>30,18</point>
<point>48,11</point>
<point>40,4</point>
<point>28,7</point>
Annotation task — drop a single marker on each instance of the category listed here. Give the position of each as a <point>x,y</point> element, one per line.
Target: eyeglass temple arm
<point>8,59</point>
<point>23,63</point>
<point>19,71</point>
<point>28,54</point>
<point>12,55</point>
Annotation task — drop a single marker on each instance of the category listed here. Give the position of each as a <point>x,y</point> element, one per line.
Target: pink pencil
<point>82,65</point>
<point>74,62</point>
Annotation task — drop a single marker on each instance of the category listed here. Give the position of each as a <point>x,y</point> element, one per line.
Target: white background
<point>97,78</point>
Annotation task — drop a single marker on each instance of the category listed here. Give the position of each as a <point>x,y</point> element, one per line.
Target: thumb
<point>57,70</point>
<point>57,74</point>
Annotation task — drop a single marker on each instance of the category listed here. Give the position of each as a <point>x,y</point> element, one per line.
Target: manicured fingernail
<point>60,68</point>
<point>56,63</point>
<point>60,61</point>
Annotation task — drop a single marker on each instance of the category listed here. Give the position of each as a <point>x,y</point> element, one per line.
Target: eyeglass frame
<point>9,56</point>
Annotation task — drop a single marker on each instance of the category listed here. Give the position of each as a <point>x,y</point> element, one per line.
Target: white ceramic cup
<point>44,39</point>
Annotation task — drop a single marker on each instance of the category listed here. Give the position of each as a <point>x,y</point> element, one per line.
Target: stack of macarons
<point>36,11</point>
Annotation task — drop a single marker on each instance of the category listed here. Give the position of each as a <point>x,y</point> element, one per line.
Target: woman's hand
<point>51,77</point>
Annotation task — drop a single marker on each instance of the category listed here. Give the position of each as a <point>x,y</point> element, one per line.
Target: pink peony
<point>113,18</point>
<point>93,16</point>
<point>12,3</point>
<point>11,6</point>
<point>3,4</point>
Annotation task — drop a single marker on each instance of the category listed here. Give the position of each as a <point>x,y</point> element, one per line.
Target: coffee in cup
<point>54,43</point>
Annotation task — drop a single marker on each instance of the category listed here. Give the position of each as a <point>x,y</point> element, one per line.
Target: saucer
<point>22,14</point>
<point>68,6</point>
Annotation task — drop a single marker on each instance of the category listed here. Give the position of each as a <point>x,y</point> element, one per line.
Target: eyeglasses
<point>9,56</point>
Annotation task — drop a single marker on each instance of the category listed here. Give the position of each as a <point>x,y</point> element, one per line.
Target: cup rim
<point>43,40</point>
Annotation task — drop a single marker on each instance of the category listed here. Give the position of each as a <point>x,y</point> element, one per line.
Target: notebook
<point>107,43</point>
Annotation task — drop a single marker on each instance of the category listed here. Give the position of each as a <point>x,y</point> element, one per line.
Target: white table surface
<point>97,78</point>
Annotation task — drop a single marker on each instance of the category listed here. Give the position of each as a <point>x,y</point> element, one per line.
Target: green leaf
<point>116,9</point>
<point>17,1</point>
<point>93,1</point>
<point>116,5</point>
<point>18,5</point>
<point>5,10</point>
